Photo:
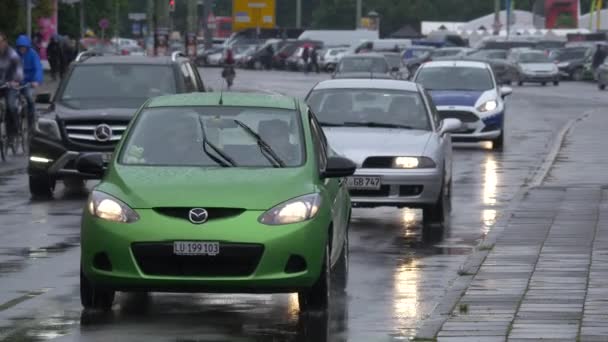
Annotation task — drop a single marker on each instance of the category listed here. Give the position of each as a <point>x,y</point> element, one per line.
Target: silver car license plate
<point>196,248</point>
<point>363,183</point>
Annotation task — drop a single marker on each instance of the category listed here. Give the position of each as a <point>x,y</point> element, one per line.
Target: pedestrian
<point>11,74</point>
<point>598,58</point>
<point>54,52</point>
<point>268,56</point>
<point>306,58</point>
<point>32,74</point>
<point>314,59</point>
<point>228,73</point>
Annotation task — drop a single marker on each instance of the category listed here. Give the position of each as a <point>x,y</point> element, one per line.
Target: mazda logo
<point>198,215</point>
<point>103,133</point>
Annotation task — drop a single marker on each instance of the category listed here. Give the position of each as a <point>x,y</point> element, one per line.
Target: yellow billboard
<point>253,14</point>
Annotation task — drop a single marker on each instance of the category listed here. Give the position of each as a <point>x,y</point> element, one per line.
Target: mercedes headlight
<point>488,106</point>
<point>413,163</point>
<point>563,64</point>
<point>49,128</point>
<point>108,208</point>
<point>295,210</point>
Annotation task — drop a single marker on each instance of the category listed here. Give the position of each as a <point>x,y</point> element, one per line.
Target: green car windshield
<point>215,136</point>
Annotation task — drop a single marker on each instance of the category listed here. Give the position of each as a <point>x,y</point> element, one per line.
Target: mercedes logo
<point>103,133</point>
<point>198,215</point>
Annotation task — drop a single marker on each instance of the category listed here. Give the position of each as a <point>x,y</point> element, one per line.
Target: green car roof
<point>228,99</point>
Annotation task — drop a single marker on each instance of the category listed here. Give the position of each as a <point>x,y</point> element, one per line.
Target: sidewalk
<point>545,277</point>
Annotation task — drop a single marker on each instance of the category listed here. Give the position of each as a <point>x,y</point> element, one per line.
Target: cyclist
<point>11,74</point>
<point>229,73</point>
<point>32,74</point>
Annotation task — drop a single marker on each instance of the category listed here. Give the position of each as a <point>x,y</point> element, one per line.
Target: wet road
<point>397,274</point>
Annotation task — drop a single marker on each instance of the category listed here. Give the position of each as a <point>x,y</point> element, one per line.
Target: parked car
<point>448,53</point>
<point>363,64</point>
<point>256,59</point>
<point>504,71</point>
<point>330,59</point>
<point>279,60</point>
<point>397,69</point>
<point>534,67</point>
<point>571,61</point>
<point>202,55</point>
<point>92,109</point>
<point>295,62</point>
<point>468,91</point>
<point>390,130</point>
<point>416,55</point>
<point>273,218</point>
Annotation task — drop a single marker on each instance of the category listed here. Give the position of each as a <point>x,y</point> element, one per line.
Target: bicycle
<point>22,136</point>
<point>3,131</point>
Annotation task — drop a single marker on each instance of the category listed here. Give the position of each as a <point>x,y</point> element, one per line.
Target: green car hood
<point>145,187</point>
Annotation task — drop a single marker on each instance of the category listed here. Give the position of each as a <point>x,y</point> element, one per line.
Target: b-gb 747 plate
<point>363,183</point>
<point>196,248</point>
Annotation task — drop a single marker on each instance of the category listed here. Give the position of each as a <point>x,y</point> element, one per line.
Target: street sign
<point>253,14</point>
<point>138,16</point>
<point>104,24</point>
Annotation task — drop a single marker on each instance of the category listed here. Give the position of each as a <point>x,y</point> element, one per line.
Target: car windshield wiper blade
<point>377,124</point>
<point>330,124</point>
<point>264,147</point>
<point>229,162</point>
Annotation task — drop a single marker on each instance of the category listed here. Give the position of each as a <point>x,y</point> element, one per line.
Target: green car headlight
<point>108,208</point>
<point>295,210</point>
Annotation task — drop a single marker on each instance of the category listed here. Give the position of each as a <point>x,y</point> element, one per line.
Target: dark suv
<point>92,108</point>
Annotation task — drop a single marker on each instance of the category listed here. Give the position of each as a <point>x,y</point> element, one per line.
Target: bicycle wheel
<point>3,139</point>
<point>25,134</point>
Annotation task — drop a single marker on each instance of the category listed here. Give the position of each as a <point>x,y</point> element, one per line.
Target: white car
<point>331,58</point>
<point>389,129</point>
<point>467,90</point>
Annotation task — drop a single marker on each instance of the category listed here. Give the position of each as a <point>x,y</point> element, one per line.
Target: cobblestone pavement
<point>545,274</point>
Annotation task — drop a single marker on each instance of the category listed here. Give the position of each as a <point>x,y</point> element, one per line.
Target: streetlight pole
<point>82,26</point>
<point>496,17</point>
<point>207,8</point>
<point>28,9</point>
<point>359,11</point>
<point>298,13</point>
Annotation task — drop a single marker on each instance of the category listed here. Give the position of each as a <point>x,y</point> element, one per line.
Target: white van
<point>380,45</point>
<point>332,38</point>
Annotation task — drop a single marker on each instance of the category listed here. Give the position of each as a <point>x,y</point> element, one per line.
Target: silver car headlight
<point>488,106</point>
<point>106,207</point>
<point>49,128</point>
<point>413,163</point>
<point>563,64</point>
<point>295,210</point>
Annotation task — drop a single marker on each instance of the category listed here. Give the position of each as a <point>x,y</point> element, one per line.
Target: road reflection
<point>406,284</point>
<point>490,193</point>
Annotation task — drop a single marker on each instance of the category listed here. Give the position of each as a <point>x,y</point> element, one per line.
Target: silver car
<point>391,130</point>
<point>534,67</point>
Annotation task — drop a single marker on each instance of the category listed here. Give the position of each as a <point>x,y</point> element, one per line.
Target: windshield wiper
<point>264,147</point>
<point>229,162</point>
<point>377,124</point>
<point>330,124</point>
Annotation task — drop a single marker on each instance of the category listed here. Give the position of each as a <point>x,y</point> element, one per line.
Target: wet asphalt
<point>398,270</point>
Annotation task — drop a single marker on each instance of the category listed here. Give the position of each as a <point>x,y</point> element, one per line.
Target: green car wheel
<point>230,193</point>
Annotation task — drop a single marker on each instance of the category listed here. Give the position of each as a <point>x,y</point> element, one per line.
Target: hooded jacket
<point>32,68</point>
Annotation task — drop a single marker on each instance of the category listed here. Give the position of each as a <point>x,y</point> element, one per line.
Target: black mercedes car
<point>92,108</point>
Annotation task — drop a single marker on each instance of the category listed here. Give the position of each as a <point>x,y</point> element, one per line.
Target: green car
<point>232,193</point>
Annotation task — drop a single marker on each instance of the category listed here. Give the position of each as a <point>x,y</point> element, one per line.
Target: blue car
<point>467,91</point>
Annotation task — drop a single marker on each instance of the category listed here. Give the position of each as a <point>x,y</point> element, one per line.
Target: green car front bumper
<point>253,258</point>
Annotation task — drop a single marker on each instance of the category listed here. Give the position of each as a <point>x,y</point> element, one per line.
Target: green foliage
<point>12,16</point>
<point>565,21</point>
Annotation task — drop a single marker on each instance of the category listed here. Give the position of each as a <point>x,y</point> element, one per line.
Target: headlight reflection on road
<point>490,185</point>
<point>405,307</point>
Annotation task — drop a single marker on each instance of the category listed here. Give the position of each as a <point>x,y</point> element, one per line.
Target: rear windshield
<point>363,64</point>
<point>186,136</point>
<point>533,57</point>
<point>351,107</point>
<point>117,85</point>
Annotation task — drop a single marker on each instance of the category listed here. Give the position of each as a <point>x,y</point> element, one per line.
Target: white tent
<point>584,20</point>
